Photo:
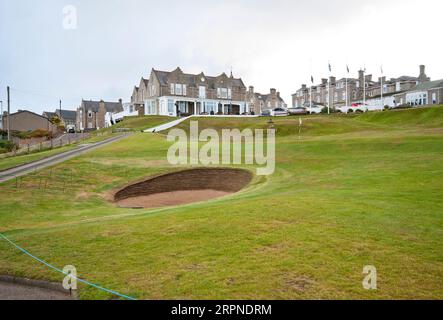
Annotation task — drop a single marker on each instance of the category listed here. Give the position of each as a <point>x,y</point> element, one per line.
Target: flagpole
<point>310,97</point>
<point>329,87</point>
<point>364,87</point>
<point>381,90</point>
<point>346,102</point>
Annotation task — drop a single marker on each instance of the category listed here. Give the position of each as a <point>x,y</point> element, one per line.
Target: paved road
<point>166,126</point>
<point>52,160</point>
<point>15,291</point>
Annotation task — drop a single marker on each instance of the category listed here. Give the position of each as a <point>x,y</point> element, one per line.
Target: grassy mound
<point>354,191</point>
<point>428,116</point>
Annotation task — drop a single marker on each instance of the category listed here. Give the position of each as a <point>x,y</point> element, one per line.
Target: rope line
<point>65,273</point>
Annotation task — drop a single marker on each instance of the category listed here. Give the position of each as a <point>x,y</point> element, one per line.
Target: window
<point>152,91</point>
<point>170,106</point>
<point>224,93</point>
<point>202,92</point>
<point>182,106</point>
<point>89,114</point>
<point>434,98</point>
<point>211,107</point>
<point>178,89</point>
<point>229,94</point>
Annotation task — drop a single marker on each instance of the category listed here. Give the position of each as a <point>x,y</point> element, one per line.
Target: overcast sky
<point>268,44</point>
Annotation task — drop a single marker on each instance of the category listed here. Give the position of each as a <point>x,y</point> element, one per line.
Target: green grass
<point>353,191</point>
<point>134,123</point>
<point>140,123</point>
<point>10,162</point>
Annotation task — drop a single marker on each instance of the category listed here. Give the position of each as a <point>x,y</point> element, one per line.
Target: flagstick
<point>299,128</point>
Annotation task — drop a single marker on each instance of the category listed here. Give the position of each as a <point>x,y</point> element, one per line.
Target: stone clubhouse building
<point>176,93</point>
<point>404,90</point>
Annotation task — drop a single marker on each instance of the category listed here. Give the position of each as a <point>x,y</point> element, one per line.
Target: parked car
<point>298,110</point>
<point>70,128</point>
<point>280,112</point>
<point>314,109</point>
<point>265,113</point>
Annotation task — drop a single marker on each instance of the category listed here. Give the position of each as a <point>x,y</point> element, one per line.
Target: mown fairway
<point>353,191</point>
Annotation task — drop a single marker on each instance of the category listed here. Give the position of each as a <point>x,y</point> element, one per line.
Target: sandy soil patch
<point>166,199</point>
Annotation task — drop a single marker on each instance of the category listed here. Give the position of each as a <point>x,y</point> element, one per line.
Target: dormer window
<point>224,93</point>
<point>178,89</point>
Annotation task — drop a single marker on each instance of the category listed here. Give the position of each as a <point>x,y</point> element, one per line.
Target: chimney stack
<point>251,89</point>
<point>303,86</point>
<point>423,77</point>
<point>273,91</point>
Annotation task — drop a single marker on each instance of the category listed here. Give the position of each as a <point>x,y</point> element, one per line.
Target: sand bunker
<point>183,187</point>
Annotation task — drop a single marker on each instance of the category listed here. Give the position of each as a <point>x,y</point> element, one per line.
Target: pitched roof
<point>265,97</point>
<point>49,115</point>
<point>193,79</point>
<point>91,105</point>
<point>428,85</point>
<point>113,107</point>
<point>67,114</point>
<point>109,106</point>
<point>27,111</point>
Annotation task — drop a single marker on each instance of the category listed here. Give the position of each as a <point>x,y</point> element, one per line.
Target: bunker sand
<point>167,199</point>
<point>183,187</point>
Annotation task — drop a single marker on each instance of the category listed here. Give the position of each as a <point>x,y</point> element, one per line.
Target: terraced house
<point>258,102</point>
<point>337,93</point>
<point>177,93</point>
<point>91,114</point>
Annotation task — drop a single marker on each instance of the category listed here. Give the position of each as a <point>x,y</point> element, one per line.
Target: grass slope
<point>135,123</point>
<point>354,191</point>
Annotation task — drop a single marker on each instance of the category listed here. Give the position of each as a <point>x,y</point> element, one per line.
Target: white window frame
<point>202,92</point>
<point>178,89</point>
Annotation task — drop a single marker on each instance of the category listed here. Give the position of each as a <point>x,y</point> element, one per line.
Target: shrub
<point>350,111</point>
<point>324,110</point>
<point>40,133</point>
<point>7,146</point>
<point>20,134</point>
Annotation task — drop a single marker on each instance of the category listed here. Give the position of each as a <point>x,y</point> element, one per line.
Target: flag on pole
<point>330,68</point>
<point>347,68</point>
<point>312,79</point>
<point>381,69</point>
